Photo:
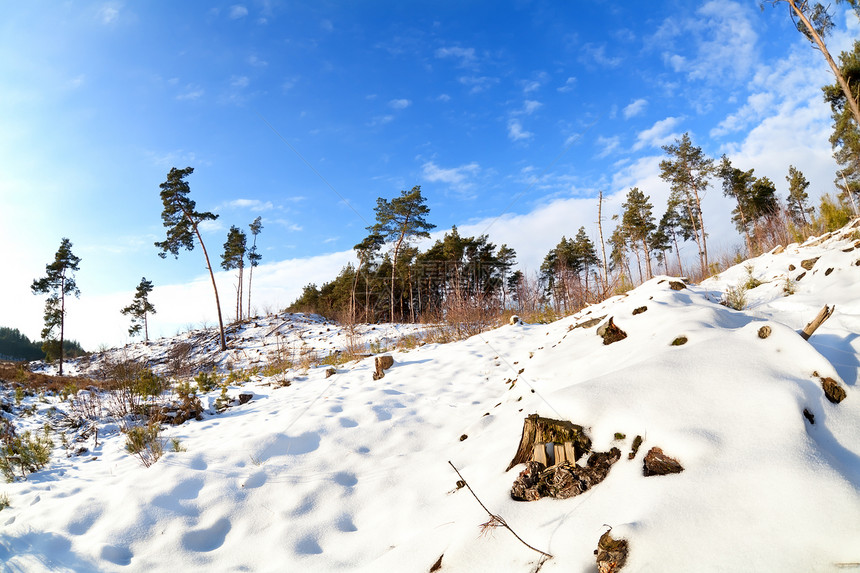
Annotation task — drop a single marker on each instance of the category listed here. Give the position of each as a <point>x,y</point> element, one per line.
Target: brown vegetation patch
<point>18,373</point>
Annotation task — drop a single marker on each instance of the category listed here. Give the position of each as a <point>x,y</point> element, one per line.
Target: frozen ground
<point>347,473</point>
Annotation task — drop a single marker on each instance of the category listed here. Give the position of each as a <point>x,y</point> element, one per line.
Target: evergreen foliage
<point>399,221</point>
<point>182,221</point>
<point>234,258</point>
<point>639,224</point>
<point>798,198</point>
<point>688,171</point>
<point>139,308</point>
<point>254,257</point>
<point>59,281</point>
<point>16,346</point>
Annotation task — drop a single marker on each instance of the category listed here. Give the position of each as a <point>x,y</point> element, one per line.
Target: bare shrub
<point>145,441</point>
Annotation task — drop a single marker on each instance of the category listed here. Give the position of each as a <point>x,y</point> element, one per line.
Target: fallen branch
<point>823,315</point>
<point>496,519</point>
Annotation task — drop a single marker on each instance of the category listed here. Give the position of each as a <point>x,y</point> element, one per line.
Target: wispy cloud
<point>530,106</point>
<point>190,93</point>
<point>516,131</point>
<point>569,84</point>
<point>477,83</point>
<point>255,61</point>
<point>596,54</point>
<point>239,82</point>
<point>658,134</point>
<point>254,204</point>
<point>634,108</point>
<point>459,178</point>
<point>399,103</point>
<point>466,56</point>
<point>719,43</point>
<point>238,11</point>
<point>608,145</point>
<point>109,13</point>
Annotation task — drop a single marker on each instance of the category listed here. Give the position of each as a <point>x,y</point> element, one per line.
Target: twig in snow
<point>823,315</point>
<point>496,520</point>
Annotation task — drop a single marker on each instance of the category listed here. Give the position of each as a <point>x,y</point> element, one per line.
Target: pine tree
<point>688,173</point>
<point>797,196</point>
<point>234,258</point>
<point>845,139</point>
<point>366,250</point>
<point>58,282</point>
<point>139,308</point>
<point>254,257</point>
<point>399,221</point>
<point>182,223</point>
<point>738,185</point>
<point>639,223</point>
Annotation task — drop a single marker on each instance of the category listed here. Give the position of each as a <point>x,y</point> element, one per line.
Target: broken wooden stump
<point>563,480</point>
<point>538,431</point>
<point>610,332</point>
<point>819,319</point>
<point>382,363</point>
<point>809,263</point>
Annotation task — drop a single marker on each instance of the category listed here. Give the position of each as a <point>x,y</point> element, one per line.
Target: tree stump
<point>611,553</point>
<point>382,364</point>
<point>538,431</point>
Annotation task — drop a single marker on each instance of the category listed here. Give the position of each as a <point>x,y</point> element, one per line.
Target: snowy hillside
<point>345,472</point>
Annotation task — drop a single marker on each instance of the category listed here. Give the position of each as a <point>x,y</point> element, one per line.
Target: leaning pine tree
<point>58,282</point>
<point>182,223</point>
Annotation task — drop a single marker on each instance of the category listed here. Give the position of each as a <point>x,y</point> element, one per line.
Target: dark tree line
<point>394,280</point>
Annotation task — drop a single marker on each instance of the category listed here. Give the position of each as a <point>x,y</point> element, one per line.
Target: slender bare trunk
<point>214,287</point>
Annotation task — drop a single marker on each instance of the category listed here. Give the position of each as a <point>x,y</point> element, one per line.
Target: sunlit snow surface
<point>347,473</point>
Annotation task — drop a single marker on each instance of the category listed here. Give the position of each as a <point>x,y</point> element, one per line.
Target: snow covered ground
<point>348,473</point>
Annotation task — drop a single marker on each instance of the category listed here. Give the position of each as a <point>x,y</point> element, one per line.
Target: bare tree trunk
<point>214,287</point>
<point>855,109</point>
<point>602,243</point>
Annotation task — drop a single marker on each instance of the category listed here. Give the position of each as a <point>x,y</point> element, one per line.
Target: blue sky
<point>510,115</point>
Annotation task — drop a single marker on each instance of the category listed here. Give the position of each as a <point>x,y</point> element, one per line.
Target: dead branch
<point>496,519</point>
<point>823,315</point>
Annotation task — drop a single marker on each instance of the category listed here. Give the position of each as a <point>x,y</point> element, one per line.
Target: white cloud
<point>443,98</point>
<point>457,177</point>
<point>239,81</point>
<point>516,132</point>
<point>596,54</point>
<point>327,25</point>
<point>238,11</point>
<point>530,106</point>
<point>718,44</point>
<point>254,204</point>
<point>255,61</point>
<point>658,134</point>
<point>109,13</point>
<point>465,55</point>
<point>191,93</point>
<point>477,83</point>
<point>608,145</point>
<point>569,83</point>
<point>635,108</point>
<point>399,103</point>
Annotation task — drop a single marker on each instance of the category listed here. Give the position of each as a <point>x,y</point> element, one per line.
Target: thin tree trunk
<point>647,258</point>
<point>62,318</point>
<point>214,287</point>
<point>602,244</point>
<point>855,109</point>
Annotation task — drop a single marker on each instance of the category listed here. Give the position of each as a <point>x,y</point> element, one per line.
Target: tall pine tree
<point>182,221</point>
<point>234,258</point>
<point>139,308</point>
<point>58,282</point>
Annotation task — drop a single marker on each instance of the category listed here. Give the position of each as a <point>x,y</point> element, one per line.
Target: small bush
<point>751,282</point>
<point>4,501</point>
<point>149,383</point>
<point>145,442</point>
<point>207,382</point>
<point>176,445</point>
<point>736,298</point>
<point>789,286</point>
<point>24,454</point>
